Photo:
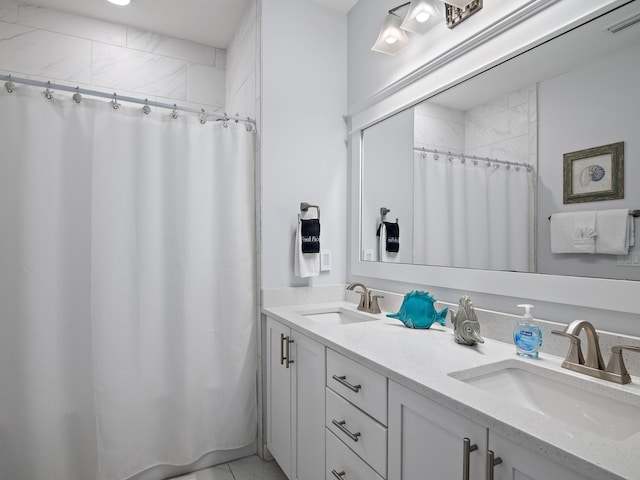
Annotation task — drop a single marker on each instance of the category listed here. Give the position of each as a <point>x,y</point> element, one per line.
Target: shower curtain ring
<point>203,117</point>
<point>146,109</point>
<point>9,85</point>
<point>435,154</point>
<point>174,113</point>
<point>76,96</point>
<point>248,125</point>
<point>114,102</point>
<point>48,93</point>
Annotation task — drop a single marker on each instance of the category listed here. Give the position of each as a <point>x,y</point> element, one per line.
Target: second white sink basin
<point>336,316</point>
<point>587,405</point>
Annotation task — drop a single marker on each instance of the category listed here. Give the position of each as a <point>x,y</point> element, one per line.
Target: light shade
<point>458,3</point>
<point>420,16</point>
<point>120,2</point>
<point>392,38</point>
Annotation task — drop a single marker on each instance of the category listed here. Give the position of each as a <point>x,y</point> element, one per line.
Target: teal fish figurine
<point>466,327</point>
<point>417,311</point>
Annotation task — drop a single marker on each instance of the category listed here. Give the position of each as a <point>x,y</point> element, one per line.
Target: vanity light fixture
<point>419,19</point>
<point>121,3</point>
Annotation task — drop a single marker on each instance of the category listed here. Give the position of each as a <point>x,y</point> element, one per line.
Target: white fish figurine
<point>466,327</point>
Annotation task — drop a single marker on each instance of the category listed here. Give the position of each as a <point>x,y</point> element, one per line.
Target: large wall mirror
<point>471,175</point>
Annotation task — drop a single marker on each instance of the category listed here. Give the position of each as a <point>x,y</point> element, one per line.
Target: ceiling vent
<point>627,22</point>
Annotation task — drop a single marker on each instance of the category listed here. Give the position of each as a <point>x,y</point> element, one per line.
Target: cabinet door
<point>279,395</point>
<point>518,463</point>
<point>308,387</point>
<point>426,440</point>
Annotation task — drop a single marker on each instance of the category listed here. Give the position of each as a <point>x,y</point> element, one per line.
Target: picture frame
<point>594,174</point>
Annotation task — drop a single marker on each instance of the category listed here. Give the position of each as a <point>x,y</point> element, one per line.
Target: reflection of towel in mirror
<point>305,264</point>
<point>615,231</point>
<point>584,232</point>
<point>389,241</point>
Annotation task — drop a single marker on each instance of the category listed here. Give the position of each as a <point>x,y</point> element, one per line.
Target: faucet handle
<point>574,355</point>
<point>616,362</point>
<point>375,307</point>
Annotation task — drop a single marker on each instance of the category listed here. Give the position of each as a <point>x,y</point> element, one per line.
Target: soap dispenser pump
<point>526,335</point>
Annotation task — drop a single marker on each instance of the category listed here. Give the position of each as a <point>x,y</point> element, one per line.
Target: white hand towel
<point>561,228</point>
<point>390,257</point>
<point>584,232</point>
<point>613,229</point>
<point>304,264</point>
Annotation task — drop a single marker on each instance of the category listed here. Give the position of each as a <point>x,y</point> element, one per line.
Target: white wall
<point>303,134</point>
<point>80,51</point>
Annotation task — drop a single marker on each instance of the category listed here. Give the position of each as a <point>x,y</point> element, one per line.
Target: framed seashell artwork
<point>594,174</point>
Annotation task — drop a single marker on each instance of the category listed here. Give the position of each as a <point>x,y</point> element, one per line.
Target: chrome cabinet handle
<point>492,461</point>
<point>283,357</point>
<point>467,448</point>
<point>288,350</point>
<point>285,350</point>
<point>338,475</point>
<point>343,381</point>
<point>345,430</point>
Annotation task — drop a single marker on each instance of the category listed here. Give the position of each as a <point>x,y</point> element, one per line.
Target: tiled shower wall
<point>505,128</point>
<point>80,51</point>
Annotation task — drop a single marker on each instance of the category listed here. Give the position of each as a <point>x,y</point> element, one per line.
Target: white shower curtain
<point>127,289</point>
<point>472,216</point>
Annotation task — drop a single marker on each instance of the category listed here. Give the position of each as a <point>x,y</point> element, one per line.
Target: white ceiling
<point>211,22</point>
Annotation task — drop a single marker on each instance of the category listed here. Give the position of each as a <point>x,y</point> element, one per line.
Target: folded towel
<point>614,230</point>
<point>584,232</point>
<point>389,242</point>
<point>310,235</point>
<point>562,228</point>
<point>304,264</point>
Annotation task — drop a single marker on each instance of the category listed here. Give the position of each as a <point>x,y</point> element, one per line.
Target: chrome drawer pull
<point>492,461</point>
<point>467,448</point>
<point>338,475</point>
<point>343,381</point>
<point>345,430</point>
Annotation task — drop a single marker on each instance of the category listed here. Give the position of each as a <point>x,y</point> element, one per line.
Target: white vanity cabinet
<point>356,418</point>
<point>427,440</point>
<point>518,463</point>
<point>295,402</point>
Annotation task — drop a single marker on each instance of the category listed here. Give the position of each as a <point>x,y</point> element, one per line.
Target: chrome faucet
<point>368,303</point>
<point>593,365</point>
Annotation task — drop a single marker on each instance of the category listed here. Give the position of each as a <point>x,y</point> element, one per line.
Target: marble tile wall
<point>505,128</point>
<point>46,44</point>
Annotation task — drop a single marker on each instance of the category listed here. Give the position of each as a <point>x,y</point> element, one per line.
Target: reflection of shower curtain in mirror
<point>474,216</point>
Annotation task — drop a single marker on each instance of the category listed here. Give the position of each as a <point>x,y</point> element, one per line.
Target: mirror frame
<point>489,49</point>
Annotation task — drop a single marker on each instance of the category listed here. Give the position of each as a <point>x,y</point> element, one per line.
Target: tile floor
<point>248,468</point>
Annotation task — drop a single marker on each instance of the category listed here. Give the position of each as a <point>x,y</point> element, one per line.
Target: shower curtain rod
<point>10,79</point>
<point>474,158</point>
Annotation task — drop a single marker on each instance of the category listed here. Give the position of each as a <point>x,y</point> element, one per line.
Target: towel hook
<point>304,207</point>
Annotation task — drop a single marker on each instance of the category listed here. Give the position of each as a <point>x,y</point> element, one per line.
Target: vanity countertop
<point>423,360</point>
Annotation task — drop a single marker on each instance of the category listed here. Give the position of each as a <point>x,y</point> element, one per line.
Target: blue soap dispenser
<point>526,335</point>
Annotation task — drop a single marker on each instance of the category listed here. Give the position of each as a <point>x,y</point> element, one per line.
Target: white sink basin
<point>589,406</point>
<point>336,316</point>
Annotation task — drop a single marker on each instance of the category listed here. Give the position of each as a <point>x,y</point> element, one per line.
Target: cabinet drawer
<point>358,431</point>
<point>340,459</point>
<point>371,394</point>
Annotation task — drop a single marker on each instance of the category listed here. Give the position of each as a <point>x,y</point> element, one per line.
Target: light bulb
<point>391,40</point>
<point>422,17</point>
